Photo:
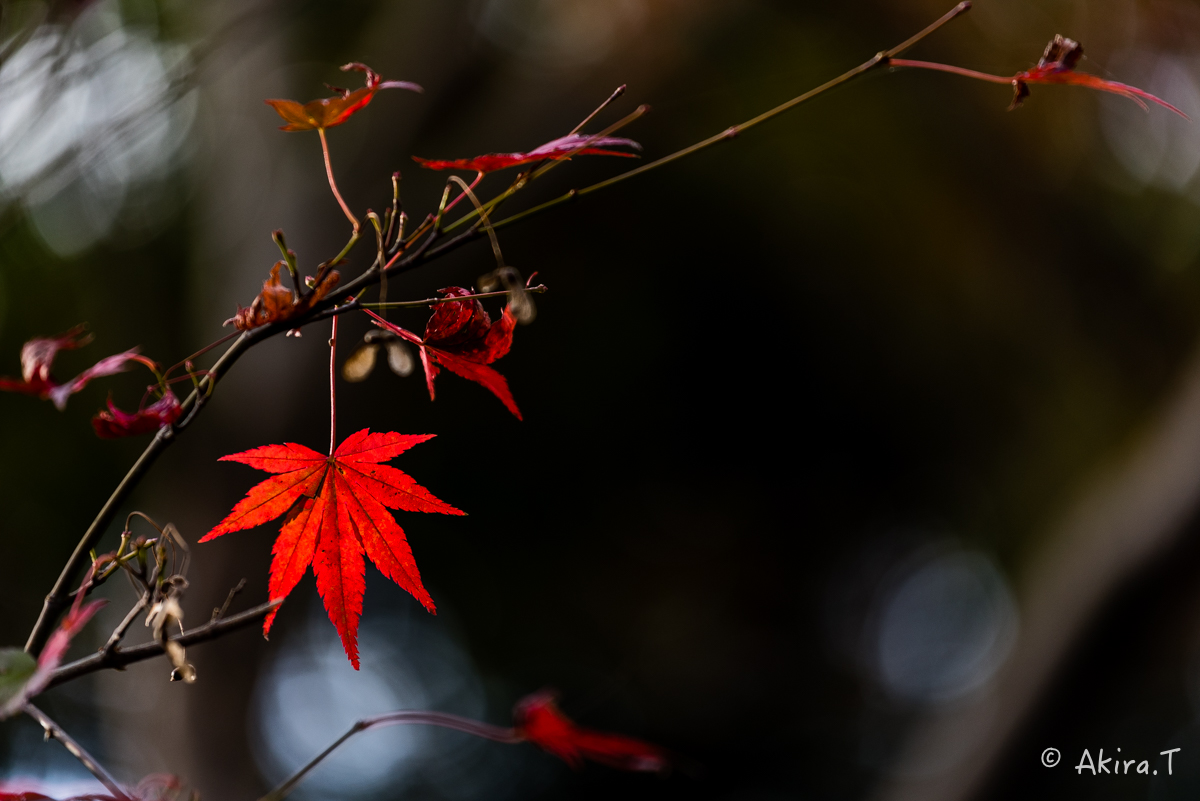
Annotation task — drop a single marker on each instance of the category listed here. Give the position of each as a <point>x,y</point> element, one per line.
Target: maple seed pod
<point>400,358</point>
<point>360,363</point>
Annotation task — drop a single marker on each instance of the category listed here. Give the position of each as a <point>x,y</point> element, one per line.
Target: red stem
<point>333,388</point>
<point>966,73</point>
<point>333,184</point>
<point>461,195</point>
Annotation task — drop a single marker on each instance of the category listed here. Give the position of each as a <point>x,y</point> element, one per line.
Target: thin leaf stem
<point>963,71</point>
<point>55,732</point>
<point>453,203</point>
<point>333,184</point>
<point>333,388</point>
<point>444,720</point>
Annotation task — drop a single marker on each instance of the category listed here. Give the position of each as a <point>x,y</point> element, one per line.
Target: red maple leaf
<point>461,337</point>
<point>337,510</point>
<point>1057,66</point>
<point>538,719</point>
<point>330,111</point>
<point>570,145</point>
<point>37,357</point>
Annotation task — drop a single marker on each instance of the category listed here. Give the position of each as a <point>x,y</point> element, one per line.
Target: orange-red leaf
<point>337,511</point>
<point>461,337</point>
<point>330,111</point>
<point>567,146</point>
<point>538,719</point>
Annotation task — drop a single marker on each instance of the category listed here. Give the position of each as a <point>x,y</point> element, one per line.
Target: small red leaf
<point>115,423</point>
<point>330,111</point>
<point>1057,65</point>
<point>565,147</point>
<point>538,719</point>
<point>37,357</point>
<point>337,510</point>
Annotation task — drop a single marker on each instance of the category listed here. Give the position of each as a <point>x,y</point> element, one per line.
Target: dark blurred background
<point>861,455</point>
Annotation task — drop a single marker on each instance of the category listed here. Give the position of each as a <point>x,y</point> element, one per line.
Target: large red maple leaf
<point>337,510</point>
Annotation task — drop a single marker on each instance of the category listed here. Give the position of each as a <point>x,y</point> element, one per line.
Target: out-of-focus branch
<point>1130,515</point>
<point>55,732</point>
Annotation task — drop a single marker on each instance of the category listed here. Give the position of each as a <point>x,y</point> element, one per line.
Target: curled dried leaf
<point>276,303</point>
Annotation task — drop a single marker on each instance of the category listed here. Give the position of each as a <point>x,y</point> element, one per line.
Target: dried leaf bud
<point>183,670</point>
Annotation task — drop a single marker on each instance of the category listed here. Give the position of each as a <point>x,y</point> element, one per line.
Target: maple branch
<point>333,184</point>
<point>59,596</point>
<point>120,657</point>
<point>881,59</point>
<point>57,600</point>
<point>445,720</point>
<point>55,732</point>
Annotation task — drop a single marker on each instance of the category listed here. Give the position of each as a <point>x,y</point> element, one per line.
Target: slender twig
<point>220,613</point>
<point>119,632</point>
<point>442,719</point>
<point>620,90</point>
<point>58,598</point>
<point>333,184</point>
<point>120,657</point>
<point>417,304</point>
<point>55,732</point>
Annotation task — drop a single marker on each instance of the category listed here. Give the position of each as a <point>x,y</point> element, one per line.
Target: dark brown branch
<point>120,657</point>
<point>55,732</point>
